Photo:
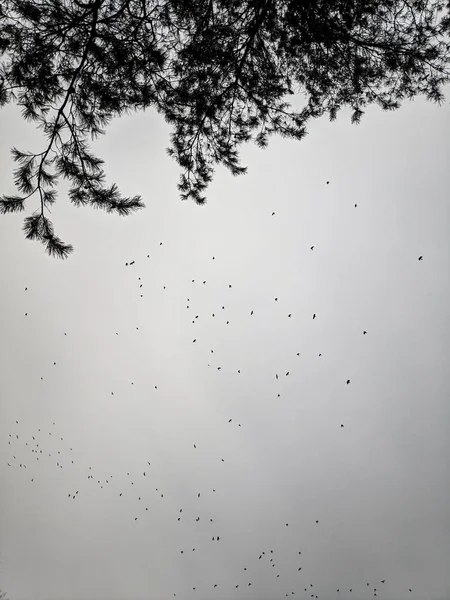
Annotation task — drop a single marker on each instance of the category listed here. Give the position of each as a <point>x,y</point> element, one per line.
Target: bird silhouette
<point>420,258</point>
<point>348,381</point>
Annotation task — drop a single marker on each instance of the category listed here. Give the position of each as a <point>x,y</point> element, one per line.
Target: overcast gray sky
<point>366,502</point>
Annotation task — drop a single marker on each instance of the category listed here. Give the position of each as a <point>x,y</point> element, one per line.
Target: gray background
<point>379,487</point>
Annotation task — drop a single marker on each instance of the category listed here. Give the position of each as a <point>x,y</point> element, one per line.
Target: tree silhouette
<point>219,71</point>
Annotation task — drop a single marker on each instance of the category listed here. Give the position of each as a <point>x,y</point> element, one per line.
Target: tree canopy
<point>220,72</point>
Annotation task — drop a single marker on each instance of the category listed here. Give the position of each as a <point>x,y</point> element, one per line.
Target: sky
<point>184,422</point>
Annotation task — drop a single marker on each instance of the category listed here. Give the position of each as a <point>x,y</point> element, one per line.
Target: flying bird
<point>314,315</point>
<point>348,381</point>
<point>420,258</point>
<point>312,247</point>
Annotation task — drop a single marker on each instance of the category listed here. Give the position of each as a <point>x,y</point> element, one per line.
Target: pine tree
<point>219,71</point>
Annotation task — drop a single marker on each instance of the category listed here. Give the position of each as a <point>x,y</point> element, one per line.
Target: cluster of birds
<point>45,444</point>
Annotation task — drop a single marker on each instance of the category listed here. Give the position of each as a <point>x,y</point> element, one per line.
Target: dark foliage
<point>219,71</point>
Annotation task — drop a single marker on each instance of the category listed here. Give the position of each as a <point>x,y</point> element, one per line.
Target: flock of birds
<point>46,444</point>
